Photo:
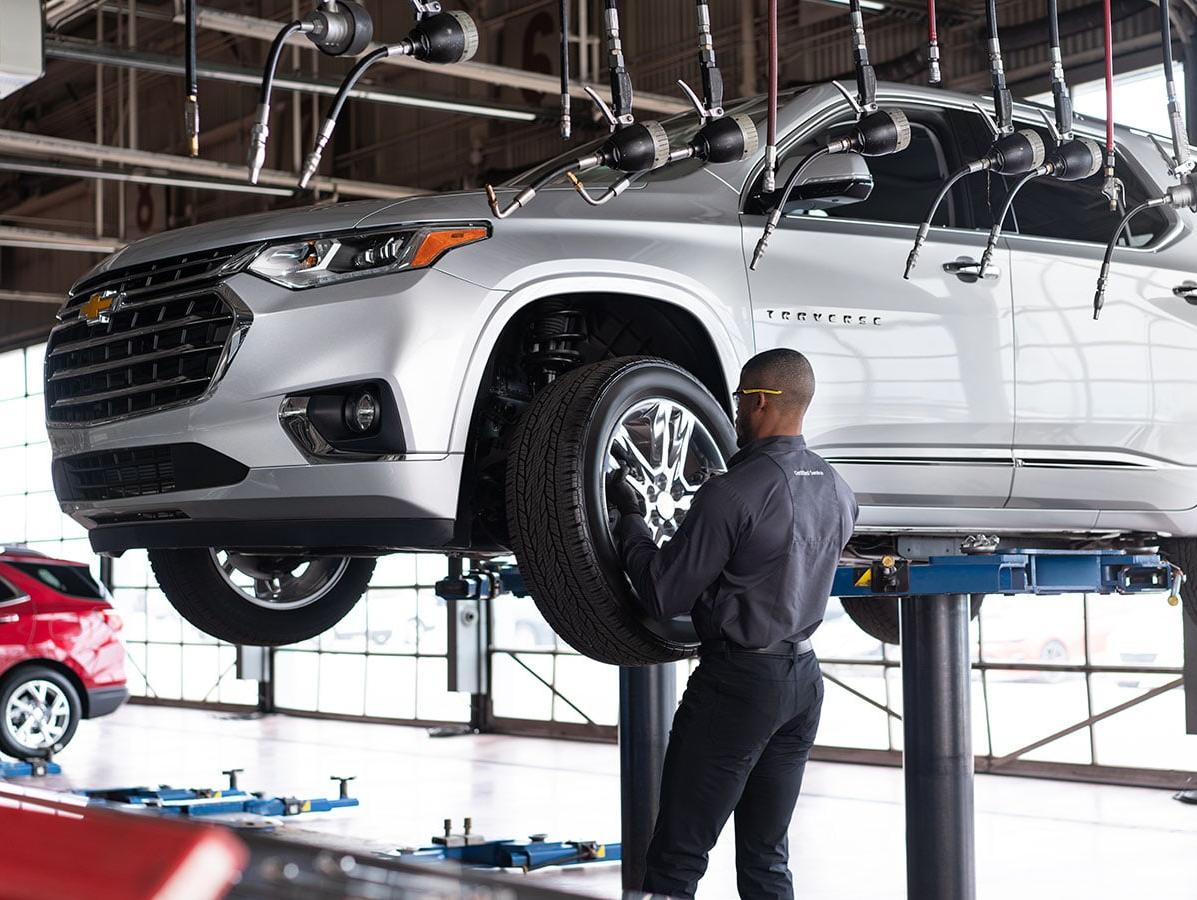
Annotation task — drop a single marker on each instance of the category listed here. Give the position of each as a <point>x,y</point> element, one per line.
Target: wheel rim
<point>669,453</point>
<point>38,714</point>
<point>279,583</point>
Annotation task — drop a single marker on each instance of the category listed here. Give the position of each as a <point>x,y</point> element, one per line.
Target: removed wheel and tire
<point>257,600</point>
<point>674,434</point>
<point>878,617</point>
<point>40,709</point>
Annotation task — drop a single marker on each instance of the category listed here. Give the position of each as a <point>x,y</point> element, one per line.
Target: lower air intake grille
<point>143,471</point>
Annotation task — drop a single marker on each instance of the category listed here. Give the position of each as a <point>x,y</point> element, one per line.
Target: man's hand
<point>621,495</point>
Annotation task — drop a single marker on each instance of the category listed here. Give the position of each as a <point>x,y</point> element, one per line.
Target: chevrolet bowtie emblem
<point>100,306</point>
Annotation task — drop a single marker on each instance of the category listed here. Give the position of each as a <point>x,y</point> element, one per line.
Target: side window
<point>8,592</point>
<point>1077,211</point>
<point>905,183</point>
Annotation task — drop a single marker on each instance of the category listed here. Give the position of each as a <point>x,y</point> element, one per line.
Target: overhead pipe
<point>31,297</point>
<point>37,239</point>
<point>81,51</point>
<point>501,76</point>
<point>34,167</point>
<point>56,147</point>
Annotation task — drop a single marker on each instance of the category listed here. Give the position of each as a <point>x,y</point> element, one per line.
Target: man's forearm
<point>637,549</point>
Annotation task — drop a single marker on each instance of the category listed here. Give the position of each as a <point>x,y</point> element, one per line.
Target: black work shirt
<point>754,560</point>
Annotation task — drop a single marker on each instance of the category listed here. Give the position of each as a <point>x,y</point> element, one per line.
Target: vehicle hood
<point>556,203</point>
<point>285,223</point>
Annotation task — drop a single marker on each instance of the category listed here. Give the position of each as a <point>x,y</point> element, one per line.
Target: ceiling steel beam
<point>82,51</point>
<point>30,297</point>
<point>36,167</point>
<point>37,239</point>
<point>502,76</point>
<point>57,148</point>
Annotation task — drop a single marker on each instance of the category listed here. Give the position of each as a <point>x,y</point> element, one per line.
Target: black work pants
<point>740,741</point>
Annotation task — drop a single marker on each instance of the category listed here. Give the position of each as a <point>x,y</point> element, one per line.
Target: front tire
<point>263,601</point>
<point>39,712</point>
<point>556,496</point>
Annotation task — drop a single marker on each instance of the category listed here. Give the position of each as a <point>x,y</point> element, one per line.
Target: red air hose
<point>773,72</point>
<point>1109,79</point>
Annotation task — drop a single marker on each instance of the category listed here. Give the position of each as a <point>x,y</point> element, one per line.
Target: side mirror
<point>835,180</point>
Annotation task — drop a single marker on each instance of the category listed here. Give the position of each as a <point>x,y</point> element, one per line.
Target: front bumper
<point>102,701</point>
<point>415,331</point>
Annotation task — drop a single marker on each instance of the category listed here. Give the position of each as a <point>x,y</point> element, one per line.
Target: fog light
<point>362,412</point>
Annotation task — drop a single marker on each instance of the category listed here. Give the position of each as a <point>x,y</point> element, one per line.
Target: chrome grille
<point>162,344</point>
<point>176,274</point>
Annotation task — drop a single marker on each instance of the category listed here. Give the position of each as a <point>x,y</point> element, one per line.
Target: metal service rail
<point>1009,572</point>
<point>936,688</point>
<point>525,855</point>
<point>1012,572</point>
<point>199,802</point>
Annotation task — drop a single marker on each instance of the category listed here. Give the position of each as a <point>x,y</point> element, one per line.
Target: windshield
<point>680,127</point>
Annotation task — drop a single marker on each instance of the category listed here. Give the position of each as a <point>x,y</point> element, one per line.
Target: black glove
<point>621,495</point>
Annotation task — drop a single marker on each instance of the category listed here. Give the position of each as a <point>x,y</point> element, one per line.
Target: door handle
<point>9,619</point>
<point>1186,291</point>
<point>968,270</point>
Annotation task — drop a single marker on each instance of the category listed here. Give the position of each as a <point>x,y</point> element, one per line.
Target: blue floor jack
<point>29,768</point>
<point>469,849</point>
<point>936,685</point>
<point>199,802</point>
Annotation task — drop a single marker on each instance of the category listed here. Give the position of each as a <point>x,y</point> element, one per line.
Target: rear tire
<point>49,697</point>
<point>196,587</point>
<point>878,616</point>
<point>556,503</point>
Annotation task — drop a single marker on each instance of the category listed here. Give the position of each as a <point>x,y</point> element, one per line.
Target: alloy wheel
<point>279,583</point>
<point>669,454</point>
<point>38,714</point>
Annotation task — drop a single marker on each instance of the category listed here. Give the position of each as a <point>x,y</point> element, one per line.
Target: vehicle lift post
<point>938,758</point>
<point>647,700</point>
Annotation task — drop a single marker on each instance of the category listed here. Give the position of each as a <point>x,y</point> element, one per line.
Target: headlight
<point>327,260</point>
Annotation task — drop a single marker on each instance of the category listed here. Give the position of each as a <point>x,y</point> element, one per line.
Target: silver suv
<point>271,402</point>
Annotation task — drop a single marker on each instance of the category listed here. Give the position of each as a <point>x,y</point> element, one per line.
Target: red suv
<point>61,659</point>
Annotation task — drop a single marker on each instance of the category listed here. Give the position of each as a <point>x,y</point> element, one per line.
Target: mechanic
<point>753,564</point>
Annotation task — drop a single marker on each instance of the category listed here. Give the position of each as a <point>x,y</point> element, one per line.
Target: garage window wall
<point>1041,665</point>
<point>388,659</point>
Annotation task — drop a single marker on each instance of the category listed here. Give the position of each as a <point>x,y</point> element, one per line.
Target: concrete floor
<point>1036,839</point>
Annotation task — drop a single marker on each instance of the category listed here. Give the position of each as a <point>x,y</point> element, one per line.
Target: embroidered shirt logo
<point>804,472</point>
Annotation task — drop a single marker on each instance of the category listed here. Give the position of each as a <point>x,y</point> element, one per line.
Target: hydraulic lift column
<point>647,699</point>
<point>938,755</point>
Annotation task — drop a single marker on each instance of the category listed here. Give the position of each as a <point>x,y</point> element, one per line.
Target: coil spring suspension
<point>553,344</point>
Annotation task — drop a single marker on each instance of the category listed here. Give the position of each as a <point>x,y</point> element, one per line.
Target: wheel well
<point>543,340</point>
<point>62,669</point>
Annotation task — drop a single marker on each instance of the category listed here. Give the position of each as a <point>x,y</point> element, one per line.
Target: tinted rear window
<point>74,581</point>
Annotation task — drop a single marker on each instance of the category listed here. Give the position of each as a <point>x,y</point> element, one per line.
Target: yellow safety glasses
<point>743,392</point>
